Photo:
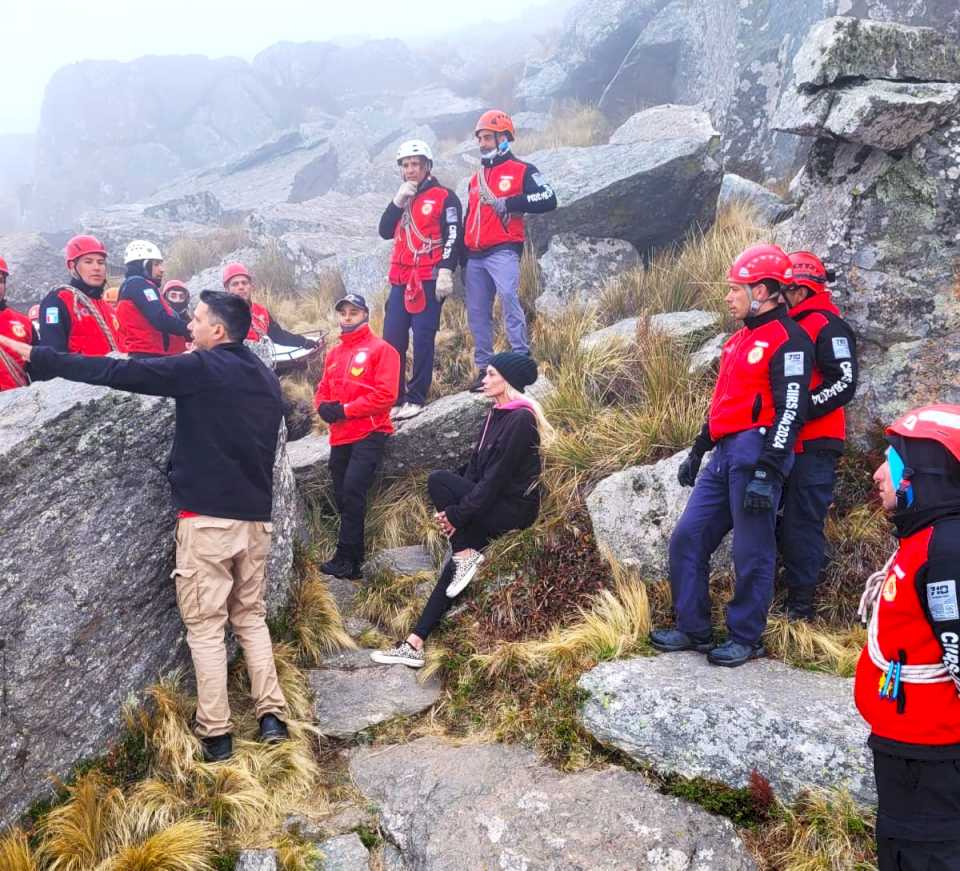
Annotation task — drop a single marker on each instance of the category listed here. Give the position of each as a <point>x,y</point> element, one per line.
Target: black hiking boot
<point>342,567</point>
<point>272,729</point>
<point>218,748</point>
<point>734,653</point>
<point>673,641</point>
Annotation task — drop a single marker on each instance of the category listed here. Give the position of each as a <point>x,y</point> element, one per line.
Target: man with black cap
<point>498,490</point>
<point>361,375</point>
<point>907,685</point>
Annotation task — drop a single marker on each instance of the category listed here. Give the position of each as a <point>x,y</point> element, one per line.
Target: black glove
<point>759,493</point>
<point>687,473</point>
<point>331,412</point>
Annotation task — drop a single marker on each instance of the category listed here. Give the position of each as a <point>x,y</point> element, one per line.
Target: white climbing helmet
<point>140,249</point>
<point>414,148</point>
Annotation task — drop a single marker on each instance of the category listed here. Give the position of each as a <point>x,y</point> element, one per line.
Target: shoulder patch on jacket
<point>52,315</point>
<point>793,365</point>
<point>841,347</point>
<point>150,294</point>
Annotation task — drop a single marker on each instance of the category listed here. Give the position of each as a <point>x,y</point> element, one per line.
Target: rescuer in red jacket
<point>759,405</point>
<point>75,317</point>
<point>907,684</point>
<point>424,221</point>
<point>354,396</point>
<point>13,325</point>
<point>809,489</point>
<point>499,194</point>
<point>149,327</point>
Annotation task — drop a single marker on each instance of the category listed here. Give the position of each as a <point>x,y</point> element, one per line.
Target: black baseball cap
<point>353,299</point>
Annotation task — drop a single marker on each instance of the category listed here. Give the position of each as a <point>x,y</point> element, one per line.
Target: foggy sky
<point>36,38</point>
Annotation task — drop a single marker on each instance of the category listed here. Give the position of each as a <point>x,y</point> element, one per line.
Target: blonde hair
<point>547,433</point>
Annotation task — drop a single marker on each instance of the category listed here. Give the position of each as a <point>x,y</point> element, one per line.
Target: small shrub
<point>188,256</point>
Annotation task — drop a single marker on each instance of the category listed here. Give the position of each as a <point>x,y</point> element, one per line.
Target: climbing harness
<point>82,301</point>
<point>414,297</point>
<point>19,377</point>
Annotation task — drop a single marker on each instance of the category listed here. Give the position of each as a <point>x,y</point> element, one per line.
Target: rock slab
<point>497,806</point>
<point>680,714</point>
<point>356,693</point>
<point>344,853</point>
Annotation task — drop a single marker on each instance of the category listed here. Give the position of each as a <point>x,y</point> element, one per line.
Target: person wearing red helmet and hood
<point>759,405</point>
<point>907,684</point>
<point>13,371</point>
<point>75,317</point>
<point>238,280</point>
<point>809,489</point>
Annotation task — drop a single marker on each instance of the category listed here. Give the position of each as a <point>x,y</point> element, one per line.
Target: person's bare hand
<point>446,527</point>
<point>21,349</point>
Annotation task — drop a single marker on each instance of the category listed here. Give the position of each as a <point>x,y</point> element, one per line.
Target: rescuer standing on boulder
<point>424,220</point>
<point>75,317</point>
<point>221,477</point>
<point>809,489</point>
<point>907,684</point>
<point>237,280</point>
<point>759,405</point>
<point>500,192</point>
<point>15,326</point>
<point>354,396</point>
<point>147,323</point>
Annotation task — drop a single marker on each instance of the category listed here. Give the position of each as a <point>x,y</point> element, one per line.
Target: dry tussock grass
<point>315,618</point>
<point>815,646</point>
<point>573,123</point>
<point>15,851</point>
<point>188,256</point>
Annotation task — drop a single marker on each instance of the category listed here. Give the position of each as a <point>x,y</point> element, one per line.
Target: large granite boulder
<point>35,267</point>
<point>498,806</point>
<point>88,612</point>
<point>889,224</point>
<point>634,513</point>
<point>575,269</point>
<point>649,191</point>
<point>769,208</point>
<point>798,729</point>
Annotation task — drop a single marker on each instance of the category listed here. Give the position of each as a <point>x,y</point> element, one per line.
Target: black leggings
<point>448,488</point>
<point>352,468</point>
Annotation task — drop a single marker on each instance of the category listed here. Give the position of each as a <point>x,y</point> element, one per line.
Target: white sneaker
<point>408,410</point>
<point>395,411</point>
<point>402,654</point>
<point>464,568</point>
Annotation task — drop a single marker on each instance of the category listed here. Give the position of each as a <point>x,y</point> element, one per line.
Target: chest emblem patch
<point>505,183</point>
<point>356,371</point>
<point>890,588</point>
<point>426,208</point>
<point>755,355</point>
<point>19,330</point>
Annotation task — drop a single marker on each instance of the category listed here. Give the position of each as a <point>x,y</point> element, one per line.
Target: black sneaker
<point>272,729</point>
<point>218,748</point>
<point>798,607</point>
<point>342,567</point>
<point>477,385</point>
<point>674,641</point>
<point>733,653</point>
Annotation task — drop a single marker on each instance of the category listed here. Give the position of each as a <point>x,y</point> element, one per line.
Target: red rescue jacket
<point>259,322</point>
<point>483,228</point>
<point>931,713</point>
<point>835,372</point>
<point>15,326</point>
<point>86,336</point>
<point>362,372</point>
<point>140,337</point>
<point>410,251</point>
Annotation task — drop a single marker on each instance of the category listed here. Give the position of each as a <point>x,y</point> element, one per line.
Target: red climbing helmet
<point>759,262</point>
<point>940,423</point>
<point>809,271</point>
<point>232,270</point>
<point>80,246</point>
<point>498,121</point>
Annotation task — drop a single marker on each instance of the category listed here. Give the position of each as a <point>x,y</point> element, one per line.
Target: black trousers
<point>806,499</point>
<point>448,488</point>
<point>918,813</point>
<point>353,468</point>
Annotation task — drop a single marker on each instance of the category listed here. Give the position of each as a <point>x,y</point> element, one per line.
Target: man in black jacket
<point>221,477</point>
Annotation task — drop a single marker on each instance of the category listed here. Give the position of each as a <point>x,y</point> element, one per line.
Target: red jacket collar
<point>358,336</point>
<point>816,302</point>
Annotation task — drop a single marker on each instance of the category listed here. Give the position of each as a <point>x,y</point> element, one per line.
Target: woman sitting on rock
<point>498,490</point>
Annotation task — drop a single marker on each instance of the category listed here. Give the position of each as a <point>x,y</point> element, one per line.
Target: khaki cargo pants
<point>220,576</point>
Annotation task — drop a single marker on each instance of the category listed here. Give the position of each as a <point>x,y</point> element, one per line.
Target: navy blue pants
<point>397,324</point>
<point>806,499</point>
<point>716,507</point>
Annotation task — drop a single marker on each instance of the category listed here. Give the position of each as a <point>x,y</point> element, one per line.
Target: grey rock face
<point>576,269</point>
<point>199,208</point>
<point>634,513</point>
<point>623,331</point>
<point>707,354</point>
<point>88,612</point>
<point>256,860</point>
<point>345,853</point>
<point>356,693</point>
<point>497,806</point>
<point>400,561</point>
<point>681,714</point>
<point>36,266</point>
<point>686,326</point>
<point>670,120</point>
<point>769,207</point>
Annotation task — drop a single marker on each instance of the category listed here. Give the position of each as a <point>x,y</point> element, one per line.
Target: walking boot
<point>217,748</point>
<point>673,641</point>
<point>733,653</point>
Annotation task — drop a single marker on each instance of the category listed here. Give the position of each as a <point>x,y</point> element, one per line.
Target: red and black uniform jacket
<point>504,466</point>
<point>362,372</point>
<point>764,382</point>
<point>918,616</point>
<point>66,325</point>
<point>262,324</point>
<point>437,214</point>
<point>525,191</point>
<point>148,325</point>
<point>16,326</point>
<point>835,373</point>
